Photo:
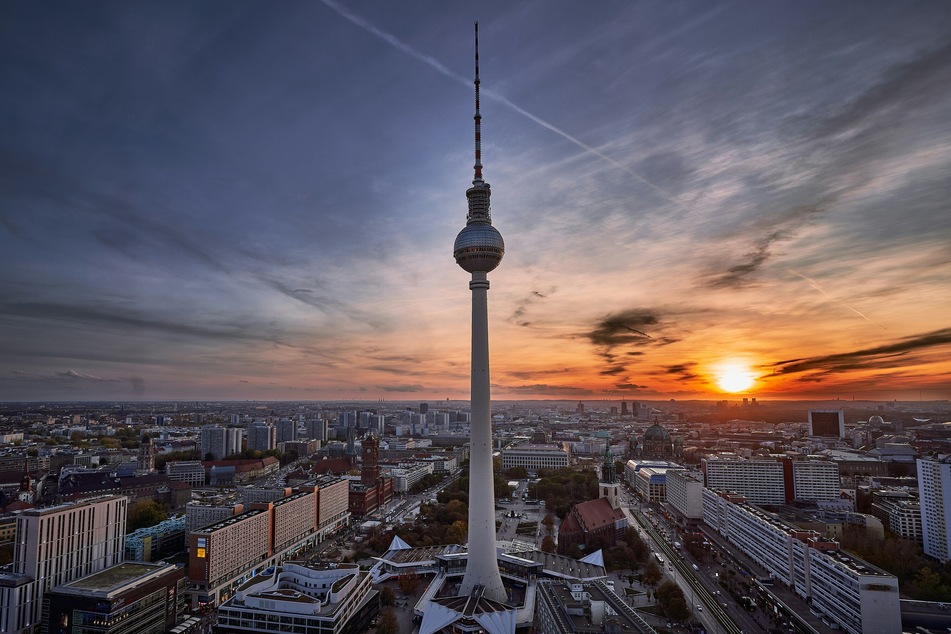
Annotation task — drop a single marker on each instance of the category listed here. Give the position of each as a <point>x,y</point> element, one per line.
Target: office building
<point>286,430</point>
<point>934,494</point>
<point>131,597</point>
<point>535,457</point>
<point>827,423</point>
<point>190,471</point>
<point>316,428</point>
<point>55,546</point>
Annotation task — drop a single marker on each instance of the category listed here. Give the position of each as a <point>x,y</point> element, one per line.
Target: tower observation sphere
<point>478,247</point>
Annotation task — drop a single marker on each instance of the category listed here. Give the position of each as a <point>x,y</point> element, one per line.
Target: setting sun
<point>734,378</point>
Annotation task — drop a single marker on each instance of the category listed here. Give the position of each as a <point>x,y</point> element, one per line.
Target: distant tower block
<point>478,250</point>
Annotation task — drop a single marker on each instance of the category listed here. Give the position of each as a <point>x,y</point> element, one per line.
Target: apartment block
<point>816,480</point>
<point>223,555</point>
<point>760,481</point>
<point>844,591</point>
<point>934,494</point>
<point>685,493</point>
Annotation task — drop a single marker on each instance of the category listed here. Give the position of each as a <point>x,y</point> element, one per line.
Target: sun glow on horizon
<point>734,377</point>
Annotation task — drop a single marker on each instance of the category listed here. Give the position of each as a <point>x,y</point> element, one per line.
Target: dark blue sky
<point>258,200</point>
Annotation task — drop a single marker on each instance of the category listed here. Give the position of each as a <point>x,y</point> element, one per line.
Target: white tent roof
<point>398,544</point>
<point>596,558</point>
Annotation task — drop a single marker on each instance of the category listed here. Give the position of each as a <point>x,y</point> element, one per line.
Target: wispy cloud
<point>886,355</point>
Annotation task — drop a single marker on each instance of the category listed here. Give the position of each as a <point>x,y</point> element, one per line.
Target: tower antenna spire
<point>478,116</point>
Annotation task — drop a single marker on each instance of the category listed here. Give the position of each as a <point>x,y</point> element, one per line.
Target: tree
<point>671,600</point>
<point>145,513</point>
<point>548,544</point>
<point>409,583</point>
<point>387,596</point>
<point>388,624</point>
<point>516,473</point>
<point>652,573</point>
<point>549,523</point>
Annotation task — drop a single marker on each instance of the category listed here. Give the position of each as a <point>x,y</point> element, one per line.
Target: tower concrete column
<point>482,568</point>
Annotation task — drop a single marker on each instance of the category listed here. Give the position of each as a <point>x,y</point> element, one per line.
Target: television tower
<point>478,249</point>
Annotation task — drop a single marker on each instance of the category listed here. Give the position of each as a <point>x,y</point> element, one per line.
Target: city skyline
<point>228,201</point>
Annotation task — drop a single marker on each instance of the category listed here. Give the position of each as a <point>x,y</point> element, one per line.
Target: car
<point>699,608</point>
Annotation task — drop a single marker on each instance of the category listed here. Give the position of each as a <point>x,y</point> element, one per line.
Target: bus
<point>660,559</point>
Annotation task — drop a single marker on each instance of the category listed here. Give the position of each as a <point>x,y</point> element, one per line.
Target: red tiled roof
<point>598,513</point>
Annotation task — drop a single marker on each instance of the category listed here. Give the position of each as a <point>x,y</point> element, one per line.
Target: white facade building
<point>685,493</point>
<point>816,480</point>
<point>934,494</point>
<point>190,471</point>
<point>759,481</point>
<point>844,591</point>
<point>407,475</point>
<point>55,546</point>
<point>535,457</point>
<point>220,441</point>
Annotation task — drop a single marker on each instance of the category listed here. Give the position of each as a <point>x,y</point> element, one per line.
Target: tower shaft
<point>482,567</point>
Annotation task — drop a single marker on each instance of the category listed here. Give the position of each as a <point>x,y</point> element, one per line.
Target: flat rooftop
<point>110,578</point>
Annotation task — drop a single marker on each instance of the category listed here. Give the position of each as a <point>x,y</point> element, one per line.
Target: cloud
<point>632,327</point>
<point>879,356</point>
<point>630,386</point>
<point>415,387</point>
<point>682,371</point>
<point>785,228</point>
<point>524,375</point>
<point>522,306</point>
<point>902,88</point>
<point>72,374</point>
<point>546,389</point>
<point>626,327</point>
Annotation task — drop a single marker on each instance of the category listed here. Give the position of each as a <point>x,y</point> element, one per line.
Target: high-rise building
<point>760,481</point>
<point>57,545</point>
<point>934,495</point>
<point>816,480</point>
<point>220,441</point>
<point>478,249</point>
<point>316,428</point>
<point>286,430</point>
<point>262,437</point>
<point>827,423</point>
<point>145,462</point>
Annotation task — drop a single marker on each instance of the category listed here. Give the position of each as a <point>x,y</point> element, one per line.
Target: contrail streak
<point>467,81</point>
<point>814,284</point>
